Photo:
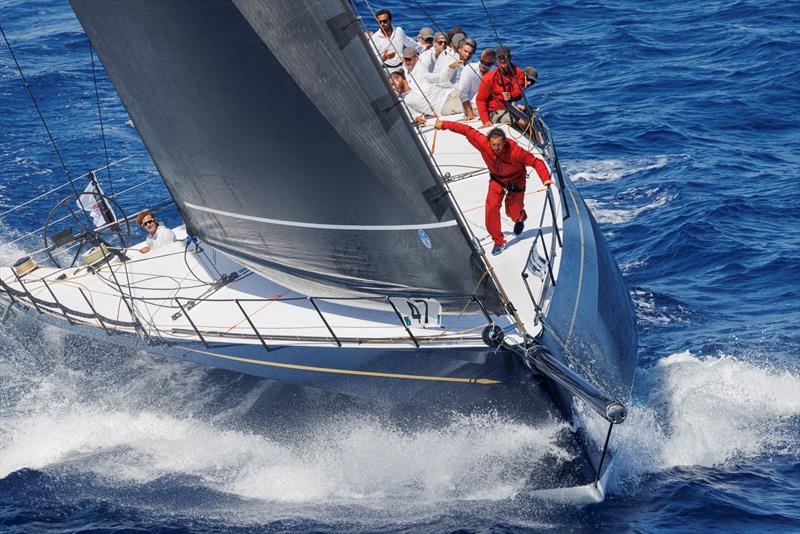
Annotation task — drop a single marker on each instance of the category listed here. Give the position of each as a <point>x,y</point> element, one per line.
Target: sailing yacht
<point>329,240</point>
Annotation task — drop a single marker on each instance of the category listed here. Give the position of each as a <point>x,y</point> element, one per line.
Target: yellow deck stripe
<point>484,381</point>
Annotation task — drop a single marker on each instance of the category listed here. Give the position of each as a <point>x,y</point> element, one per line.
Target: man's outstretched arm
<point>529,160</point>
<point>475,138</point>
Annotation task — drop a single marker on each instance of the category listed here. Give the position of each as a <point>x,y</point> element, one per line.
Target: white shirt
<point>395,43</point>
<point>436,86</point>
<point>416,78</point>
<point>163,236</point>
<point>444,60</point>
<point>426,61</point>
<point>448,76</point>
<point>470,83</point>
<point>427,101</point>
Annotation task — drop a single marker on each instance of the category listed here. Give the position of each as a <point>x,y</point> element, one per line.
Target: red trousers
<point>514,207</point>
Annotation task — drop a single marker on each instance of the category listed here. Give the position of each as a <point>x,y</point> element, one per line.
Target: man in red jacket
<point>506,161</point>
<point>498,88</point>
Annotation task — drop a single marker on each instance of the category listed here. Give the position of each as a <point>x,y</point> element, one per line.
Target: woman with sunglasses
<point>158,235</point>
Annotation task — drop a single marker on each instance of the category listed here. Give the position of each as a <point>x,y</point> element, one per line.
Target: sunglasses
<point>408,59</point>
<point>384,21</point>
<point>148,222</point>
<point>487,65</point>
<point>503,58</point>
<point>441,42</point>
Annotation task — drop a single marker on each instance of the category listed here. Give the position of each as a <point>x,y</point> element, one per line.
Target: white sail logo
<point>423,236</point>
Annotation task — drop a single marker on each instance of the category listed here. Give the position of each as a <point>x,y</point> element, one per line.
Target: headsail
<point>282,144</point>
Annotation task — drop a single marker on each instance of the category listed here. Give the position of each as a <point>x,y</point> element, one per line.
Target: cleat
<point>498,249</point>
<point>519,226</point>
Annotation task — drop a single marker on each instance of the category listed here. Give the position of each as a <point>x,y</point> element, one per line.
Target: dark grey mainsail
<point>281,143</point>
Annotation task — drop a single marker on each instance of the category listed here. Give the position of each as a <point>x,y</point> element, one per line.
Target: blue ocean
<point>680,123</point>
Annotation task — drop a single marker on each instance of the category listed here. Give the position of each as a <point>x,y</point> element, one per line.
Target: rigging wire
<point>440,30</point>
<point>100,115</point>
<point>472,67</point>
<point>186,262</point>
<point>59,187</point>
<point>500,42</point>
<point>44,122</point>
<point>400,55</point>
<point>20,238</point>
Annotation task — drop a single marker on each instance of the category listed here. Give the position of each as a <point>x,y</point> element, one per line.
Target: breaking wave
<point>346,461</point>
<point>131,419</point>
<point>610,211</point>
<point>705,412</point>
<point>135,419</point>
<point>612,169</point>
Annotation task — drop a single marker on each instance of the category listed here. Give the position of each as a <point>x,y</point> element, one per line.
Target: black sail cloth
<point>281,144</point>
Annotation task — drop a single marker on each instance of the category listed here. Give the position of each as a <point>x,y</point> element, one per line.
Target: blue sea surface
<point>680,123</point>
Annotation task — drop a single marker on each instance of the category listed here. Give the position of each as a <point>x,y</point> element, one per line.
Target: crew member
<point>471,81</point>
<point>158,235</point>
<point>427,59</point>
<point>506,162</point>
<point>501,87</point>
<point>424,39</point>
<point>390,41</point>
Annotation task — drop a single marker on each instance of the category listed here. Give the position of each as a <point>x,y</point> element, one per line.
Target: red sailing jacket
<point>510,164</point>
<point>492,87</point>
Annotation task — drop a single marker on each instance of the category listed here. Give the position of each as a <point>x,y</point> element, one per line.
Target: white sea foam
<point>697,412</point>
<point>648,311</point>
<point>605,211</point>
<point>630,266</point>
<point>9,253</point>
<point>612,169</point>
<point>133,419</point>
<point>705,412</point>
<point>479,457</point>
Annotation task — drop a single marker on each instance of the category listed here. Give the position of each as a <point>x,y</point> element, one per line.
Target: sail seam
<point>377,227</point>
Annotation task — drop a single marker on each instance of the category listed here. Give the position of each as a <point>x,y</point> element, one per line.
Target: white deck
<point>157,278</point>
<point>456,156</point>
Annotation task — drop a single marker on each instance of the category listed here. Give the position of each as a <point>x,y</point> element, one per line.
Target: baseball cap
<point>531,73</point>
<point>409,52</point>
<point>426,33</point>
